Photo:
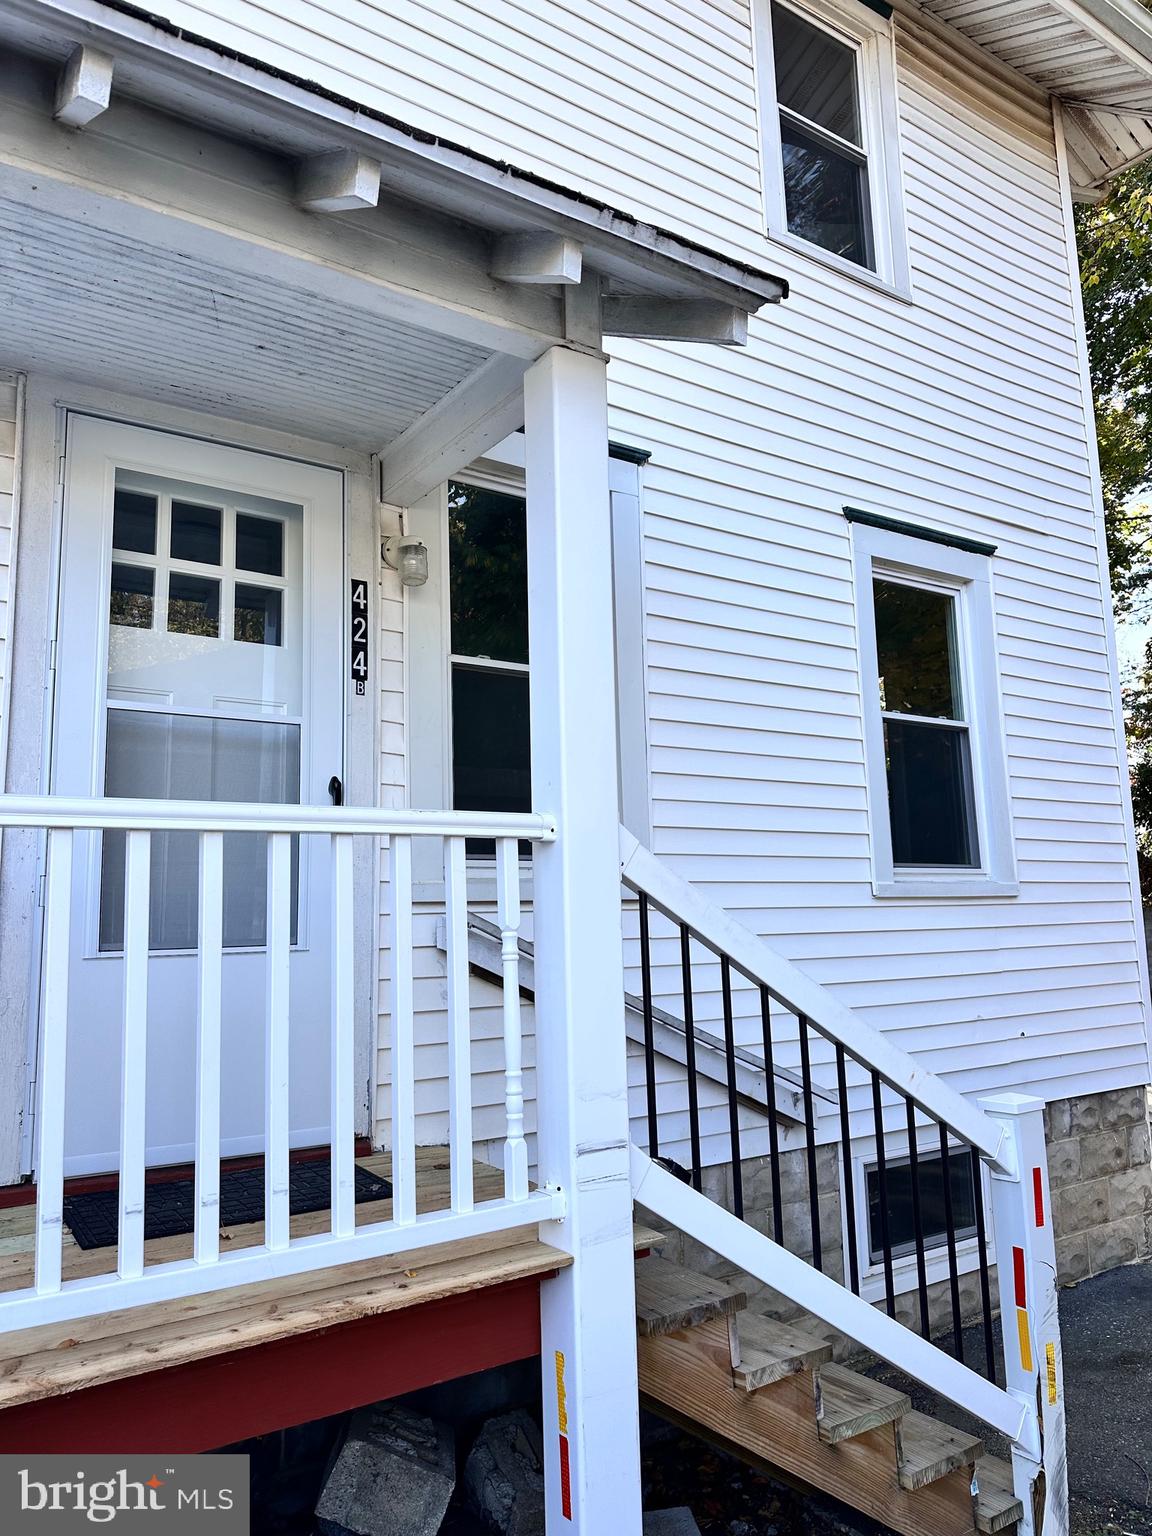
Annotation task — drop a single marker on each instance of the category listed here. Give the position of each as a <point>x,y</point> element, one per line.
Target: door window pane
<point>825,194</point>
<point>930,794</point>
<point>258,615</point>
<point>195,532</point>
<point>488,564</point>
<point>134,522</point>
<point>260,544</point>
<point>930,1181</point>
<point>916,650</point>
<point>815,74</point>
<point>131,599</point>
<point>157,756</point>
<point>193,605</point>
<point>490,741</point>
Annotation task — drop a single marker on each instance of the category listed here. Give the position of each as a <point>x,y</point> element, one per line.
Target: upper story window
<point>831,155</point>
<point>933,728</point>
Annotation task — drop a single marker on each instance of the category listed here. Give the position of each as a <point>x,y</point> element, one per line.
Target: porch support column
<point>588,1324</point>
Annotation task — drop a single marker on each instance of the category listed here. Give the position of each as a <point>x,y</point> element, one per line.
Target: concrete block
<point>1079,1207</point>
<point>670,1522</point>
<point>1117,1243</point>
<point>1063,1163</point>
<point>1123,1107</point>
<point>1085,1114</point>
<point>828,1169</point>
<point>1072,1263</point>
<point>1104,1153</point>
<point>1058,1119</point>
<point>1130,1193</point>
<point>393,1477</point>
<point>504,1475</point>
<point>1139,1145</point>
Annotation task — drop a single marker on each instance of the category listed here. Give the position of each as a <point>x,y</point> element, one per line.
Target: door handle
<point>336,790</point>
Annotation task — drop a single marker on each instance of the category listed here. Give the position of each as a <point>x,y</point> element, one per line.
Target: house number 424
<point>358,635</point>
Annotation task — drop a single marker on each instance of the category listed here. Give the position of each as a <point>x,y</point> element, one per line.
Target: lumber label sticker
<point>187,1495</point>
<point>1050,1356</point>
<point>565,1454</point>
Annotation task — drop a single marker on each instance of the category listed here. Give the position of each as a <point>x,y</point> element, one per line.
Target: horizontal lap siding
<point>9,434</point>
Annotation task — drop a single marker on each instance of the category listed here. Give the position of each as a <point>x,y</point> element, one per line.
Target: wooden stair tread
<point>927,1449</point>
<point>851,1404</point>
<point>670,1298</point>
<point>769,1351</point>
<point>997,1507</point>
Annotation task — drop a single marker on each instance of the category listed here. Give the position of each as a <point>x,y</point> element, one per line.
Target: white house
<point>481,483</point>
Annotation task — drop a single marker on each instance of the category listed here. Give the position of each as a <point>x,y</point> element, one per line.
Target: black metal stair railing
<point>954,1152</point>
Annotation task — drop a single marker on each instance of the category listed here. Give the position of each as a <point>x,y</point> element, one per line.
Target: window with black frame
<point>488,581</point>
<point>933,1211</point>
<point>927,732</point>
<point>825,162</point>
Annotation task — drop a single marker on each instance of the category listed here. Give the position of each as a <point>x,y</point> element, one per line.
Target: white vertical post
<point>134,1054</point>
<point>403,1037</point>
<point>588,1319</point>
<point>53,1064</point>
<point>1026,1264</point>
<point>343,1070</point>
<point>209,973</point>
<point>508,916</point>
<point>277,1051</point>
<point>459,1024</point>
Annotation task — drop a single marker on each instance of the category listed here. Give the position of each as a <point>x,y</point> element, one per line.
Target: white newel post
<point>587,1312</point>
<point>1026,1266</point>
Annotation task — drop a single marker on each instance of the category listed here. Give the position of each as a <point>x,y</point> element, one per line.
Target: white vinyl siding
<point>10,399</point>
<point>962,409</point>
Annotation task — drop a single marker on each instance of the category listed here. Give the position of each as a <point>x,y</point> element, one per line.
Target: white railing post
<point>277,1038</point>
<point>342,1086</point>
<point>209,977</point>
<point>1029,1315</point>
<point>134,1053</point>
<point>459,1025</point>
<point>53,1064</point>
<point>588,1321</point>
<point>508,915</point>
<point>403,1054</point>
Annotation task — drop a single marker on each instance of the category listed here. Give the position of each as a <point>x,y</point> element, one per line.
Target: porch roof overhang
<point>1094,55</point>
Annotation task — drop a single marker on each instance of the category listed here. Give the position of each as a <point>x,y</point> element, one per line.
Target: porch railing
<point>52,1294</point>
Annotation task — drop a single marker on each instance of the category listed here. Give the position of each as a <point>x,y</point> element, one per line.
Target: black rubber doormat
<point>169,1205</point>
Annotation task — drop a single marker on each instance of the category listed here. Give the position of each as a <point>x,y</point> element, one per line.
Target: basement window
<point>830,125</point>
<point>933,1216</point>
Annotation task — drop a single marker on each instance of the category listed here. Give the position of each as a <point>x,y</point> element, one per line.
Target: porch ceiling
<point>101,308</point>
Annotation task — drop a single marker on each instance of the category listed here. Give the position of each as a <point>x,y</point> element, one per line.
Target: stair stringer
<point>757,1255</point>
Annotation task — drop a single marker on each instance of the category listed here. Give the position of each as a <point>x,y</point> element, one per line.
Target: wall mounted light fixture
<point>406,554</point>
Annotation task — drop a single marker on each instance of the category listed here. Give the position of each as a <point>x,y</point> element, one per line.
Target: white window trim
<point>872,38</point>
<point>968,576</point>
<point>428,661</point>
<point>905,1275</point>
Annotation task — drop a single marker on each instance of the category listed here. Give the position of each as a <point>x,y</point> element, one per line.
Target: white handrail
<point>48,811</point>
<point>749,954</point>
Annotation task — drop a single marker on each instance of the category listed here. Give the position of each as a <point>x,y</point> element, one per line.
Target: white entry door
<point>198,658</point>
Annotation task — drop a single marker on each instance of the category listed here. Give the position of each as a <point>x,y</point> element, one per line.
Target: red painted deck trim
<point>247,1392</point>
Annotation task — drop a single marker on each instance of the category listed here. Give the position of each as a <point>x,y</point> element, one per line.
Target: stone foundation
<point>1100,1170</point>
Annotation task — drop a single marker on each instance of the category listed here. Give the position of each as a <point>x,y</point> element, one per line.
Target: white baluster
<point>343,1084</point>
<point>208,986</point>
<point>134,1063</point>
<point>508,912</point>
<point>53,1064</point>
<point>403,1040</point>
<point>459,1023</point>
<point>276,1047</point>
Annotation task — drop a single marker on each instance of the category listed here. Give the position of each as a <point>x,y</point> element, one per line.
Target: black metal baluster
<point>690,1053</point>
<point>918,1222</point>
<point>773,1127</point>
<point>950,1232</point>
<point>733,1105</point>
<point>882,1195</point>
<point>810,1149</point>
<point>982,1251</point>
<point>846,1162</point>
<point>649,1045</point>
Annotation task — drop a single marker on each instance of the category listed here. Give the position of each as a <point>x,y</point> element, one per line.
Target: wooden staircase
<point>770,1393</point>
